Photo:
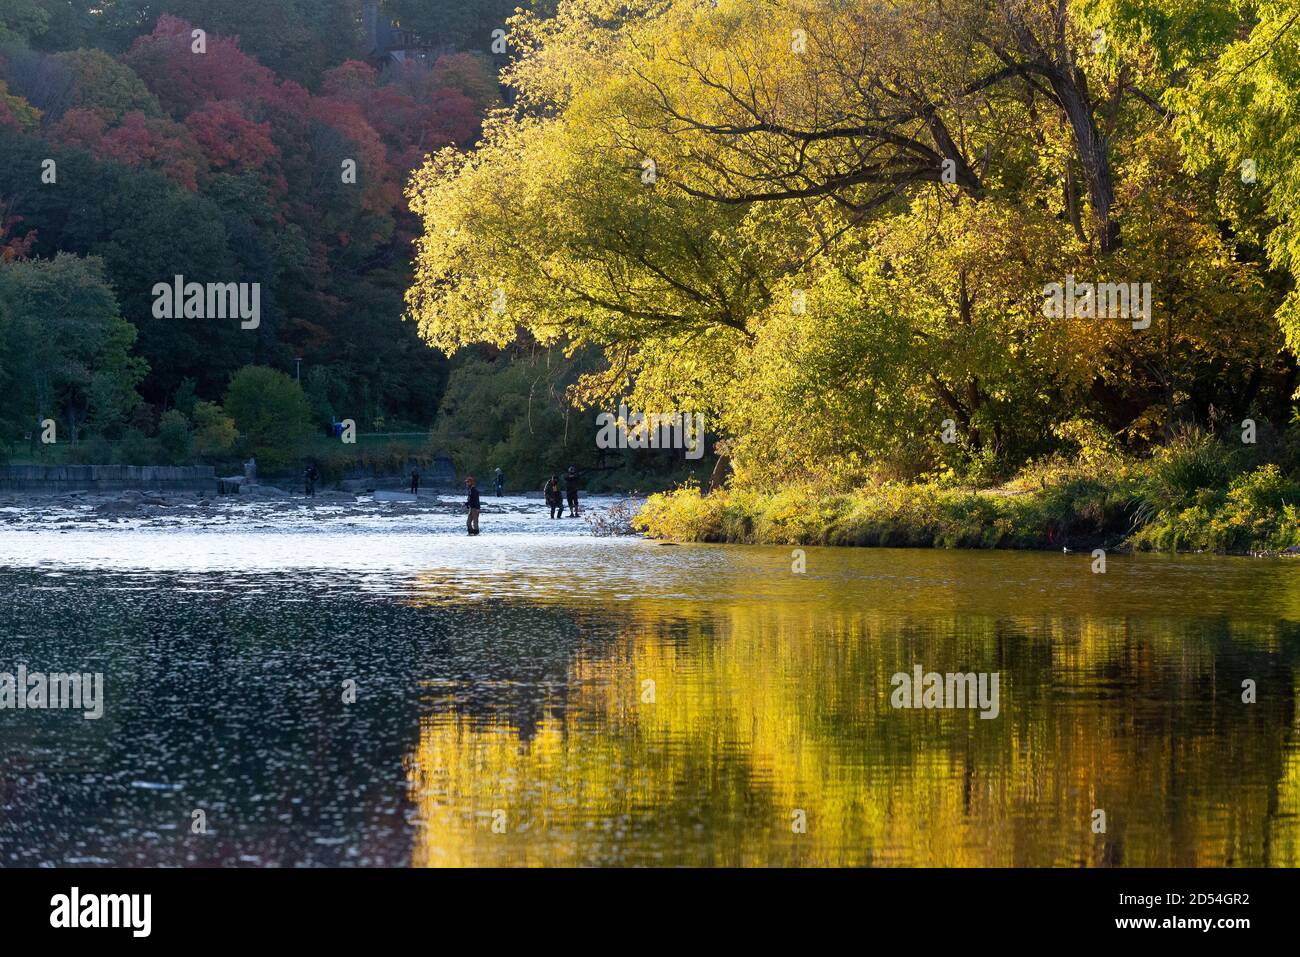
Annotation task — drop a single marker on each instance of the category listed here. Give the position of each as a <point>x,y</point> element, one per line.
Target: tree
<point>17,247</point>
<point>214,434</point>
<point>512,413</point>
<point>229,140</point>
<point>104,84</point>
<point>295,38</point>
<point>64,347</point>
<point>271,413</point>
<point>15,112</point>
<point>1236,105</point>
<point>227,167</point>
<point>174,436</point>
<point>41,80</point>
<point>676,178</point>
<point>147,230</point>
<point>21,20</point>
<point>452,24</point>
<point>138,140</point>
<point>184,80</point>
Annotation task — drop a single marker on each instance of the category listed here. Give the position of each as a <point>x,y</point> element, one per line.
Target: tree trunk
<point>1070,86</point>
<point>719,472</point>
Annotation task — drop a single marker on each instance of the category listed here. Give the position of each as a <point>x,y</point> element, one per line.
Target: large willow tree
<point>830,224</point>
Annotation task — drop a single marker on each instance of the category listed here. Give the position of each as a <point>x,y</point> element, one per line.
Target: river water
<point>369,686</point>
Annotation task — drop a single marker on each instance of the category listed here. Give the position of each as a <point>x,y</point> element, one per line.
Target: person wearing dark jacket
<point>553,497</point>
<point>415,481</point>
<point>471,524</point>
<point>571,488</point>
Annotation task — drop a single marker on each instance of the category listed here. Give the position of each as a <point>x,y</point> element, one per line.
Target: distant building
<point>387,43</point>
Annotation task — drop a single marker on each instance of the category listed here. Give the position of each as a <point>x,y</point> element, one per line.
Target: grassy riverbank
<point>1195,495</point>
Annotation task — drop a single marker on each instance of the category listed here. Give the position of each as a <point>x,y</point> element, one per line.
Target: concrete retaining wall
<point>439,473</point>
<point>107,478</point>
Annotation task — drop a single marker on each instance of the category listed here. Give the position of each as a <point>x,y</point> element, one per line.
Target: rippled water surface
<point>537,695</point>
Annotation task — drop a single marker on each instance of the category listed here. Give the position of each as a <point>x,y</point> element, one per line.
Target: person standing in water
<point>501,481</point>
<point>571,487</point>
<point>415,481</point>
<point>471,524</point>
<point>553,498</point>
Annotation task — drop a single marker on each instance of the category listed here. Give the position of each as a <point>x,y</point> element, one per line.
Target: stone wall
<point>107,478</point>
<point>438,473</point>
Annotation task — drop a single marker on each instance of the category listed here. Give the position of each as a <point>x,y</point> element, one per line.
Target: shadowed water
<point>541,696</point>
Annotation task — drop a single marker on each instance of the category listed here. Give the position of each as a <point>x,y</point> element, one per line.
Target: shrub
<point>214,431</point>
<point>683,514</point>
<point>1192,461</point>
<point>1096,446</point>
<point>271,413</point>
<point>1266,488</point>
<point>136,448</point>
<point>1257,512</point>
<point>174,436</point>
<point>1189,500</point>
<point>96,450</point>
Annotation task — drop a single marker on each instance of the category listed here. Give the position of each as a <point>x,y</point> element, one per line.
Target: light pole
<point>297,369</point>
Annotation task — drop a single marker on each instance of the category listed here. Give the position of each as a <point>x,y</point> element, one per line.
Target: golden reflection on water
<point>775,701</point>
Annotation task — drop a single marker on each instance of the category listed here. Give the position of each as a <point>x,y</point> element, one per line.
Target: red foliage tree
<point>139,141</point>
<point>230,140</point>
<point>349,78</point>
<point>18,247</point>
<point>184,80</point>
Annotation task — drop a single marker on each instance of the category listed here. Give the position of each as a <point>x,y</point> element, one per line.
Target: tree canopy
<point>275,156</point>
<point>846,217</point>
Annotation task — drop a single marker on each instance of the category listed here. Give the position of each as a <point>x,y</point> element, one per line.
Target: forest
<point>133,153</point>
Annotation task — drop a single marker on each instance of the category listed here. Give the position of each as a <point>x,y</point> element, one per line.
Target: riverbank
<point>1129,506</point>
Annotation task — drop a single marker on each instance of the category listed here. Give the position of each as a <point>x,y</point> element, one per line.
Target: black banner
<point>615,906</point>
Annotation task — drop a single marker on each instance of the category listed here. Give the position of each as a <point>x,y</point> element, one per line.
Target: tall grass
<point>1194,494</point>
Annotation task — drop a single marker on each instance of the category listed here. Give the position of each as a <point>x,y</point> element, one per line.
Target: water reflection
<point>760,711</point>
<point>507,686</point>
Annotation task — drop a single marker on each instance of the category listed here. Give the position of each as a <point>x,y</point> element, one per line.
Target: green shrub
<point>136,448</point>
<point>1192,461</point>
<point>271,413</point>
<point>1053,505</point>
<point>1264,489</point>
<point>96,450</point>
<point>174,436</point>
<point>1258,512</point>
<point>214,432</point>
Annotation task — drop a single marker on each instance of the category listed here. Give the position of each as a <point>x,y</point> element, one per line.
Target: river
<point>369,686</point>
